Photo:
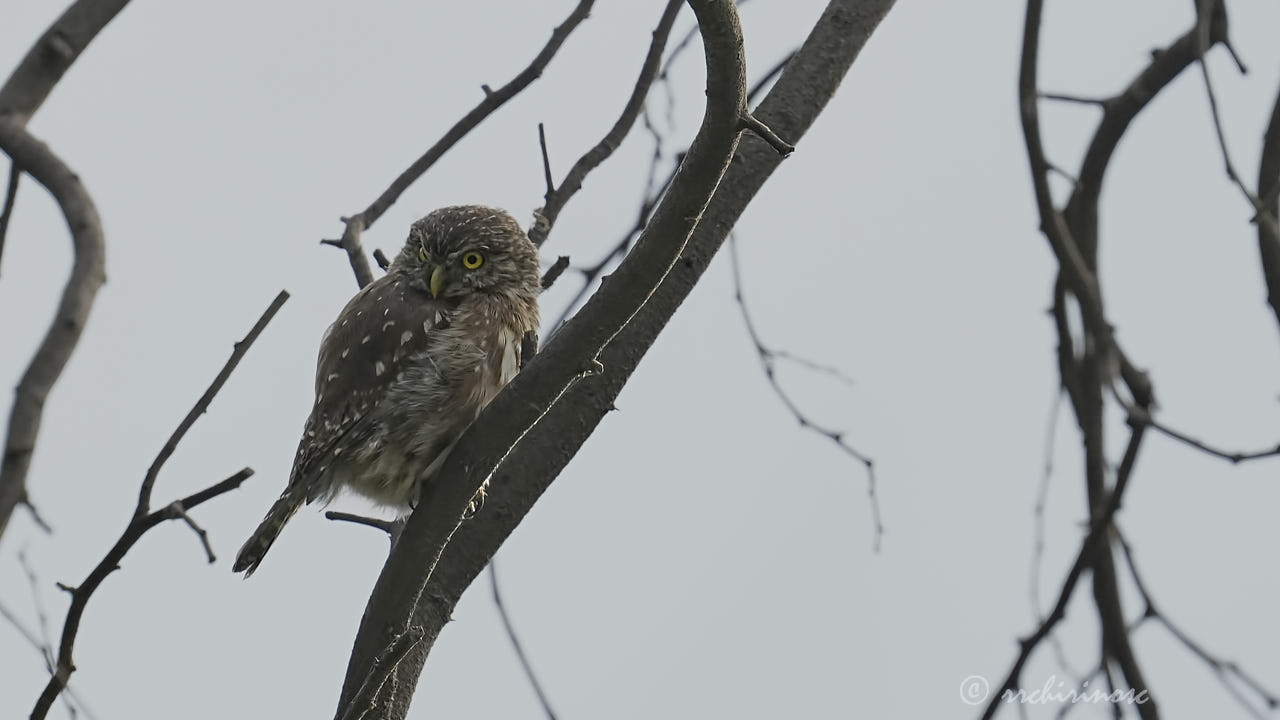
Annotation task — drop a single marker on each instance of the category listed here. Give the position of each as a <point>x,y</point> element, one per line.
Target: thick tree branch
<point>558,197</point>
<point>87,275</point>
<point>794,103</point>
<point>571,358</point>
<point>22,94</point>
<point>10,197</point>
<point>493,99</point>
<point>52,55</point>
<point>1269,195</point>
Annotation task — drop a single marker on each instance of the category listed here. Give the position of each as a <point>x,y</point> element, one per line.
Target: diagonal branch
<point>87,275</point>
<point>558,197</point>
<point>570,359</point>
<point>493,99</point>
<point>52,55</point>
<point>1269,196</point>
<point>10,197</point>
<point>791,107</point>
<point>515,642</point>
<point>768,357</point>
<point>142,521</point>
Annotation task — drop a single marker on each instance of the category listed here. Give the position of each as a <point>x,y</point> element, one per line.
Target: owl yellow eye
<point>422,254</point>
<point>472,260</point>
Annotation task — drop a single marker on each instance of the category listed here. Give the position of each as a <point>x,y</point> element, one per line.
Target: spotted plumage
<point>409,363</point>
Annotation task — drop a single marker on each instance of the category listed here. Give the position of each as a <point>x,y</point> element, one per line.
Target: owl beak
<point>437,280</point>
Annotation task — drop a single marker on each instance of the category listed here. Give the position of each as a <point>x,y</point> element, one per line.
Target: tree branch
<point>799,95</point>
<point>493,99</point>
<point>143,520</point>
<point>558,197</point>
<point>52,55</point>
<point>1269,195</point>
<point>10,196</point>
<point>87,275</point>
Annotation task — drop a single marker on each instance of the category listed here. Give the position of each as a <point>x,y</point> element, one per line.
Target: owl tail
<point>253,550</point>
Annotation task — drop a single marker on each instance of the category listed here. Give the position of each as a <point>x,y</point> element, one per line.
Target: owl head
<point>464,249</point>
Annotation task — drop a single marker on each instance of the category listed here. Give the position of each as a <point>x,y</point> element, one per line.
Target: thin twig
<point>1222,668</point>
<point>1234,457</point>
<point>493,99</point>
<point>1075,99</point>
<point>766,356</point>
<point>391,527</point>
<point>654,191</point>
<point>143,520</point>
<point>202,405</point>
<point>1038,545</point>
<point>558,197</point>
<point>1098,530</point>
<point>515,642</point>
<point>176,510</point>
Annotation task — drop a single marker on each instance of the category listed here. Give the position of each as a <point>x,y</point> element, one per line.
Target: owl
<point>409,363</point>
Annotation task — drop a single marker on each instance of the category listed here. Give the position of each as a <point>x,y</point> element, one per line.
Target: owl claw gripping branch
<point>410,362</point>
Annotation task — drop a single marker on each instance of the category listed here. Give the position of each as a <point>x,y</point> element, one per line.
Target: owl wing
<point>361,354</point>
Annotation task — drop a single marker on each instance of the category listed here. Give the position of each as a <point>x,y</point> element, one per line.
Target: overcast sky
<point>702,557</point>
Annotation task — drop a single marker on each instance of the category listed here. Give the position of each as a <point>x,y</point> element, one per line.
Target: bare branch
<point>554,272</point>
<point>767,358</point>
<point>202,405</point>
<point>791,107</point>
<point>176,510</point>
<point>493,99</point>
<point>1222,668</point>
<point>573,355</point>
<point>87,275</point>
<point>546,161</point>
<point>143,520</point>
<point>52,55</point>
<point>1269,196</point>
<point>1074,99</point>
<point>10,196</point>
<point>749,122</point>
<point>391,527</point>
<point>515,643</point>
<point>558,197</point>
<point>1233,456</point>
<point>1098,530</point>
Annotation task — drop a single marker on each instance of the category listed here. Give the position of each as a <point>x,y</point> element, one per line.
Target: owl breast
<point>437,394</point>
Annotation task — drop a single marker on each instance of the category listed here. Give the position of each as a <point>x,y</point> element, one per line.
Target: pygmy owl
<point>410,362</point>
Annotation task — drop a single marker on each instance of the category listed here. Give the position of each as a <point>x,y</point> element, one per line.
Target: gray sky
<point>702,557</point>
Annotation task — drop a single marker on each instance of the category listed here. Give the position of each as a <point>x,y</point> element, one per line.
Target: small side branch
<point>558,197</point>
<point>202,405</point>
<point>143,520</point>
<point>515,642</point>
<point>768,356</point>
<point>493,99</point>
<point>750,122</point>
<point>554,272</point>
